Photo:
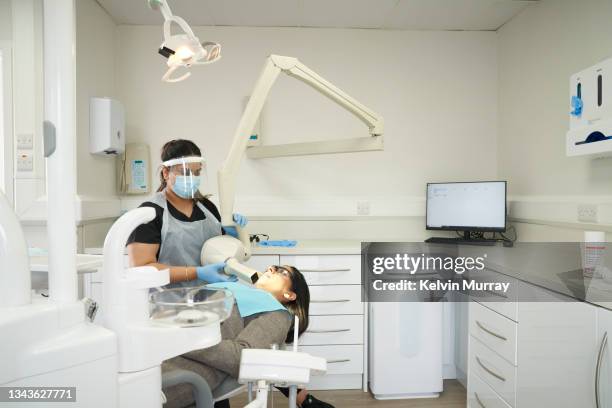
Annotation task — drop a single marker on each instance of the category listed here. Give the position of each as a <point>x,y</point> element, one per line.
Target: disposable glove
<point>213,273</point>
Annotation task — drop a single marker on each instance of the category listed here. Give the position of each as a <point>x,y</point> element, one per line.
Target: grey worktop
<point>556,267</point>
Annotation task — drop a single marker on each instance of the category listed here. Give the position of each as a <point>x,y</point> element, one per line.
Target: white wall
<point>6,28</point>
<point>436,90</point>
<point>95,76</point>
<point>538,51</point>
<point>97,202</point>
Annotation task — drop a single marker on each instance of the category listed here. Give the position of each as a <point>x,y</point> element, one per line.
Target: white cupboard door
<point>557,351</point>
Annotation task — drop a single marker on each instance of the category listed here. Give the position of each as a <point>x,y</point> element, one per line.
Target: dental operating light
<point>182,50</point>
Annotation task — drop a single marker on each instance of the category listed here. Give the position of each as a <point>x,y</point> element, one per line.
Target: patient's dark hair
<point>175,149</point>
<point>299,306</point>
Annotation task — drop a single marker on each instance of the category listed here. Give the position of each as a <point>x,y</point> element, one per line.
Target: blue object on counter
<point>577,104</point>
<point>278,243</point>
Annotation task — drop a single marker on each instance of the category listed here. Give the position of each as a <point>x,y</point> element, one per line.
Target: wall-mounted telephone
<point>134,169</point>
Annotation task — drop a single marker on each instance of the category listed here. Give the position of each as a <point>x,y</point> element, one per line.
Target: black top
<point>150,233</point>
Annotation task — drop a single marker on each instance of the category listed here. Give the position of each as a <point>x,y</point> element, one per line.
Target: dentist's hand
<point>213,273</point>
<point>240,219</point>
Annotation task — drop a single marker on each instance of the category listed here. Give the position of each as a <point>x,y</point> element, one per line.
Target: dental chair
<point>259,369</point>
<point>203,396</point>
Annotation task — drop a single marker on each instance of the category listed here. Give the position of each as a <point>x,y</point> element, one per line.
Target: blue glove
<point>231,231</point>
<point>240,219</point>
<point>213,273</point>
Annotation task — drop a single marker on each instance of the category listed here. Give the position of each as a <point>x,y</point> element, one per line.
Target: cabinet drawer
<point>341,329</point>
<point>332,300</point>
<point>347,359</point>
<point>503,303</point>
<point>494,370</point>
<point>480,395</point>
<point>327,269</point>
<point>493,330</point>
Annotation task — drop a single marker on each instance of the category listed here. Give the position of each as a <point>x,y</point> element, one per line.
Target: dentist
<point>184,220</point>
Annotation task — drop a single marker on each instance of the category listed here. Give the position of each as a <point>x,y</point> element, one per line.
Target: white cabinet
<point>557,349</point>
<point>337,329</point>
<point>492,358</point>
<point>545,356</point>
<point>603,373</point>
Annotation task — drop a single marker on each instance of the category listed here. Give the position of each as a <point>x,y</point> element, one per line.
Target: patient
<point>258,320</point>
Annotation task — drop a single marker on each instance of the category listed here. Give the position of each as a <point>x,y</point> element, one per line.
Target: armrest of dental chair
<point>202,394</point>
<point>227,389</point>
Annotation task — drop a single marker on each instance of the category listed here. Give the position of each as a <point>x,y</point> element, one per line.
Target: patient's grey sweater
<point>214,364</point>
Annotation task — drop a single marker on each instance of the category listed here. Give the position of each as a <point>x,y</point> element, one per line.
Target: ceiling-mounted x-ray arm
<point>276,64</point>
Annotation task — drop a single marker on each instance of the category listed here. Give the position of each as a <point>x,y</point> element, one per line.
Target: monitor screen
<point>474,206</point>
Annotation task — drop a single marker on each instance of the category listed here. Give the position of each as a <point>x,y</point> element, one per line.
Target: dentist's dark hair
<point>298,307</point>
<point>175,149</point>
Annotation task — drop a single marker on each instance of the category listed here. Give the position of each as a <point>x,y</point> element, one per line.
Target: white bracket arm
<point>274,65</point>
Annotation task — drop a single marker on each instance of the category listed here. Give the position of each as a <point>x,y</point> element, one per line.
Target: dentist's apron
<point>182,241</point>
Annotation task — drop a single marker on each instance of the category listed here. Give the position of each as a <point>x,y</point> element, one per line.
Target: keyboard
<point>460,241</point>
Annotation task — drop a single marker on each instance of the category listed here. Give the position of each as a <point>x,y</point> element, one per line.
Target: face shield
<point>186,175</point>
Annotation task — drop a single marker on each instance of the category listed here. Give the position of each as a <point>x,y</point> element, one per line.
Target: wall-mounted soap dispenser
<point>590,111</point>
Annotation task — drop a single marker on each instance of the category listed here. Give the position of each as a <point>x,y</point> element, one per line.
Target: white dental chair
<point>259,369</point>
<point>203,396</point>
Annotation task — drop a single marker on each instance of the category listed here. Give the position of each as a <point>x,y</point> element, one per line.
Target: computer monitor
<point>466,206</point>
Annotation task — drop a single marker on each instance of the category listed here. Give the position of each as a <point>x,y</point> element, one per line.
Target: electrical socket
<point>25,141</point>
<point>25,162</point>
<point>587,212</point>
<point>363,208</point>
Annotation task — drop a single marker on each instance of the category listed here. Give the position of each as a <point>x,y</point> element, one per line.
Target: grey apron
<point>182,241</point>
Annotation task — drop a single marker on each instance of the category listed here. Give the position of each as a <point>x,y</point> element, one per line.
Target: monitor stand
<point>465,240</point>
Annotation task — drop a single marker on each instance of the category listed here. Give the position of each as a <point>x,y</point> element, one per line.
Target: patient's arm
<point>260,332</point>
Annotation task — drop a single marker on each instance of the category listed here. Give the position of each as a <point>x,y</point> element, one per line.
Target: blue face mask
<point>186,186</point>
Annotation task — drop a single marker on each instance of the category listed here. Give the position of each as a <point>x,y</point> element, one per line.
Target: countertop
<point>556,267</point>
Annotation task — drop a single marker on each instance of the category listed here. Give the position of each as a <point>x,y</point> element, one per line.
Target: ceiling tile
<point>347,13</point>
<point>137,12</point>
<point>393,14</point>
<point>454,14</point>
<point>259,13</point>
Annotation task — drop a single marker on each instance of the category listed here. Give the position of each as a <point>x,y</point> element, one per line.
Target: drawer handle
<point>499,336</point>
<point>88,270</point>
<point>325,270</point>
<point>328,331</point>
<point>479,401</point>
<point>488,370</point>
<point>330,301</point>
<point>602,348</point>
<point>342,360</point>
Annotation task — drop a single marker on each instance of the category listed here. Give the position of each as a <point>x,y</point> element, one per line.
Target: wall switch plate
<point>25,141</point>
<point>363,208</point>
<point>25,161</point>
<point>587,212</point>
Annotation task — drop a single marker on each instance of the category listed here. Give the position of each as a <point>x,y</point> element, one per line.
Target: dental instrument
<point>236,251</point>
<point>182,50</point>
